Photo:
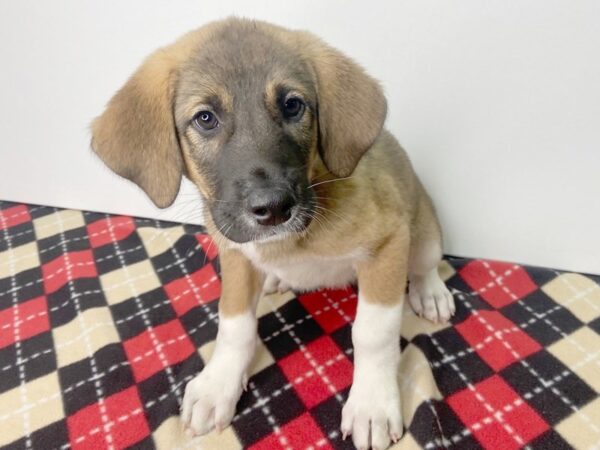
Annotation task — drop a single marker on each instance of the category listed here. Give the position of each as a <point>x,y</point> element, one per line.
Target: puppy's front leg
<point>210,398</point>
<point>372,413</point>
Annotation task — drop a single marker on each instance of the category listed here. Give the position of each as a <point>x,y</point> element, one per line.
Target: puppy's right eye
<point>293,108</point>
<point>205,120</point>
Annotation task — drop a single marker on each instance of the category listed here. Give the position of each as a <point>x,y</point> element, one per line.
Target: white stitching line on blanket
<point>19,350</point>
<point>192,285</point>
<point>306,353</point>
<point>332,305</point>
<point>93,365</point>
<point>335,306</point>
<point>140,307</point>
<point>269,416</point>
<point>4,219</point>
<point>580,294</point>
<point>494,282</point>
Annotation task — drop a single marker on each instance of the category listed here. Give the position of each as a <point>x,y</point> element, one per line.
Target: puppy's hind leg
<point>427,293</point>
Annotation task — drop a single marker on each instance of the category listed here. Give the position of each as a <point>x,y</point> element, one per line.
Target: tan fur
<point>195,173</point>
<point>382,279</point>
<point>241,283</point>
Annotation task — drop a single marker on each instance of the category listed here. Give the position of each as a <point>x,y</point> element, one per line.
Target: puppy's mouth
<point>262,223</point>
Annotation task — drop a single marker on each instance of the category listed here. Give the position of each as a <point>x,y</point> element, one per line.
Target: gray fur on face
<point>243,75</point>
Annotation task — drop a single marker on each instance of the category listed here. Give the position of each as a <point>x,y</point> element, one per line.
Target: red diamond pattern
<point>498,283</point>
<point>68,267</point>
<point>118,422</point>
<point>24,320</point>
<point>152,350</point>
<point>201,287</point>
<point>109,230</point>
<point>496,339</point>
<point>301,432</point>
<point>496,415</point>
<point>331,309</point>
<point>317,371</point>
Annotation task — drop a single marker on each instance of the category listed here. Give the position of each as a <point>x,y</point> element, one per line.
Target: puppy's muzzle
<point>271,207</point>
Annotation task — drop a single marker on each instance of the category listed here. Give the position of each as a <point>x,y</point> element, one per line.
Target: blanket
<point>105,318</point>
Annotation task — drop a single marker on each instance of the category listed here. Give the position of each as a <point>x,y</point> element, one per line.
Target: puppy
<point>302,187</point>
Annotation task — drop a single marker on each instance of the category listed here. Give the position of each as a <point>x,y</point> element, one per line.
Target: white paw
<point>210,398</point>
<point>273,284</point>
<point>430,298</point>
<point>372,413</point>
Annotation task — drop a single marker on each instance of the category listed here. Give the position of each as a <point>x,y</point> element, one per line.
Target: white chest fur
<point>308,271</point>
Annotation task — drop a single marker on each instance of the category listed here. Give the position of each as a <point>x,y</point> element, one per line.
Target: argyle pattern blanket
<point>104,319</point>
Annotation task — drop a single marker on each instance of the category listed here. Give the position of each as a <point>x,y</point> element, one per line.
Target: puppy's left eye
<point>205,120</point>
<point>293,108</point>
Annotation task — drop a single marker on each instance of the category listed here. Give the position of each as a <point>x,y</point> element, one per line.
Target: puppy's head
<point>246,110</point>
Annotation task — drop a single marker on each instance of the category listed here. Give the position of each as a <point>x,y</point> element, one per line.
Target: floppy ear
<point>135,136</point>
<point>351,106</point>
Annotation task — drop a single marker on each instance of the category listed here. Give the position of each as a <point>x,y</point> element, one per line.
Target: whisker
<point>335,213</point>
<point>330,181</point>
<point>213,240</point>
<point>227,201</point>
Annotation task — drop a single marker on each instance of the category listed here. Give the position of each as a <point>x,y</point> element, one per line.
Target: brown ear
<point>135,136</point>
<point>351,106</point>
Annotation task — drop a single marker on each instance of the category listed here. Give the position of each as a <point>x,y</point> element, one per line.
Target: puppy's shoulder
<point>388,157</point>
<point>387,175</point>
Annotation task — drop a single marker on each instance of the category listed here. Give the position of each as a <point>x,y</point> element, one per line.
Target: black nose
<point>270,207</point>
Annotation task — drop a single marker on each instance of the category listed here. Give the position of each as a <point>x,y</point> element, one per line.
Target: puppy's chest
<point>309,271</point>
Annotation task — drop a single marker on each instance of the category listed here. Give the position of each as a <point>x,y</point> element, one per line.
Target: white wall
<point>498,104</point>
